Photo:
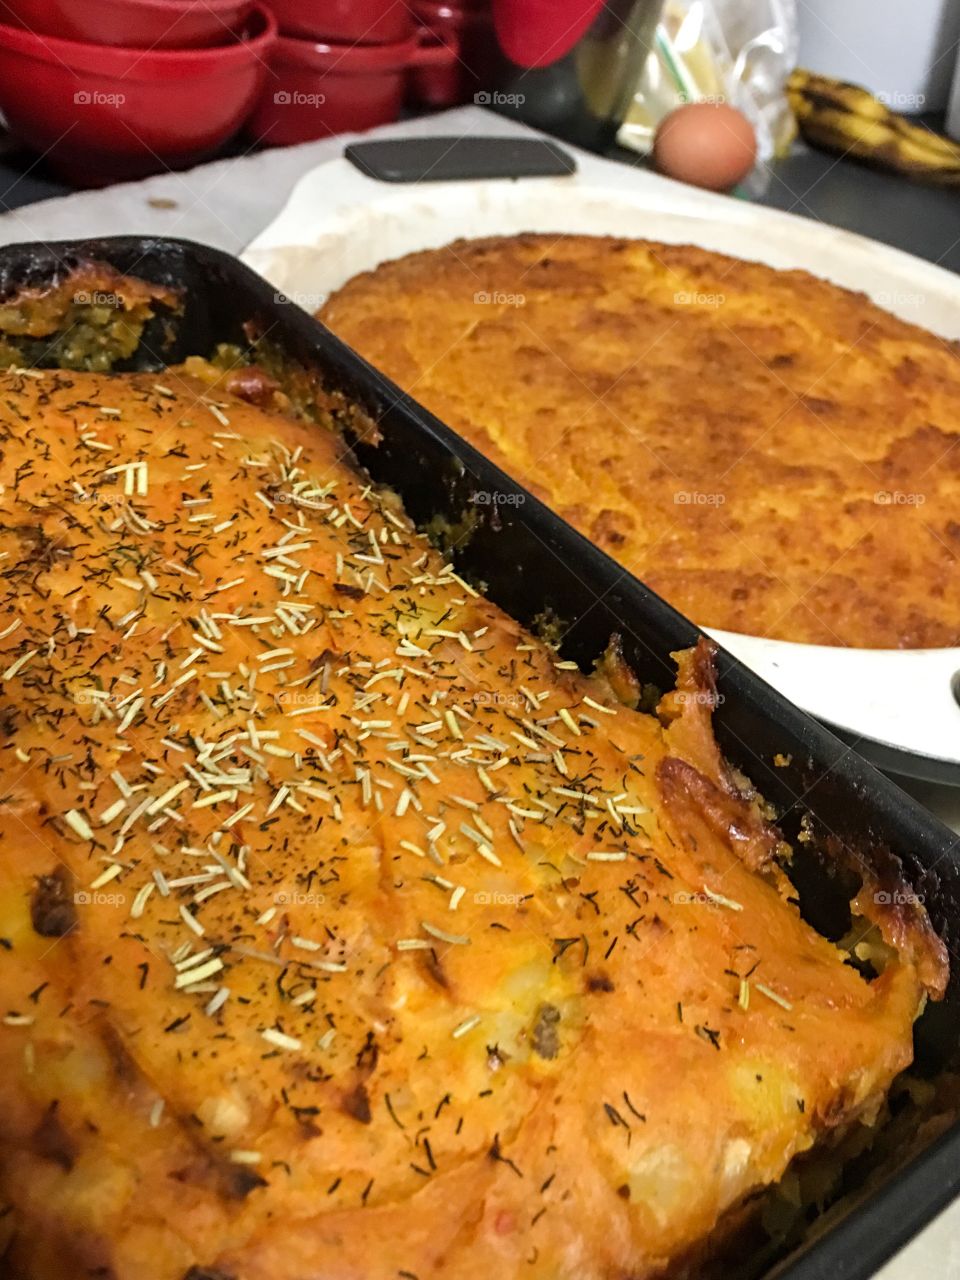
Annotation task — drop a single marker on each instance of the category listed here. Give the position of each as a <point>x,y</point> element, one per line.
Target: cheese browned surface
<point>344,930</point>
<point>772,453</point>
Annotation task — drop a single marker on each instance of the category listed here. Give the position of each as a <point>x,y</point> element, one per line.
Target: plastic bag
<point>735,51</point>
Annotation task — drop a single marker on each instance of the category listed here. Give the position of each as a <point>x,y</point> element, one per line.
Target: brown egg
<point>706,144</point>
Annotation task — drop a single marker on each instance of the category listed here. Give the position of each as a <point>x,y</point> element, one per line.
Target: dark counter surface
<point>923,220</point>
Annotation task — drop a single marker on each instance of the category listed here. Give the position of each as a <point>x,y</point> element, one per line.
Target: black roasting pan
<point>538,568</point>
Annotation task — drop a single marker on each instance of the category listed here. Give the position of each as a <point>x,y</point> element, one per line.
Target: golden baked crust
<point>366,939</point>
<point>772,453</point>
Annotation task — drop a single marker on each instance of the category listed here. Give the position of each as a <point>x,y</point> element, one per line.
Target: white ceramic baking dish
<point>899,707</point>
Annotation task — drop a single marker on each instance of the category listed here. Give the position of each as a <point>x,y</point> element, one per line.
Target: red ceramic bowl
<point>100,114</point>
<point>143,24</point>
<point>315,90</point>
<point>350,21</point>
<point>467,28</point>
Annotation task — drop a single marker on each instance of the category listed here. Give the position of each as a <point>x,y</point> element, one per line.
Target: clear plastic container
<point>570,67</point>
<point>953,111</point>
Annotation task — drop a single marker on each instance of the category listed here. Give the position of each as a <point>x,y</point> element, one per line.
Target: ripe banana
<point>850,120</point>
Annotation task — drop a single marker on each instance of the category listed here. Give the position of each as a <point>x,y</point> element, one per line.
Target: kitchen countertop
<point>923,220</point>
<point>228,202</point>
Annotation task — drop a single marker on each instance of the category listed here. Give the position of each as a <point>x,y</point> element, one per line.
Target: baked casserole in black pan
<point>390,885</point>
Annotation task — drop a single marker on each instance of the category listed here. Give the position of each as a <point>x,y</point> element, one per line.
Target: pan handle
<point>460,159</point>
<point>430,52</point>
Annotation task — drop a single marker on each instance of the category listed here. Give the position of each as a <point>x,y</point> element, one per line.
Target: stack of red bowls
<point>116,89</point>
<point>341,65</point>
